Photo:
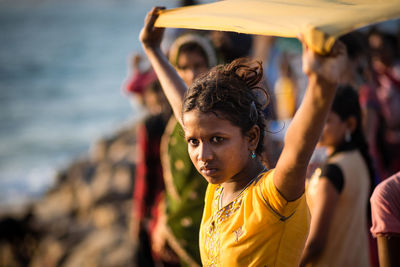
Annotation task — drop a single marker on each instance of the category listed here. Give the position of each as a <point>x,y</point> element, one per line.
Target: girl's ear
<point>253,136</point>
<point>351,123</point>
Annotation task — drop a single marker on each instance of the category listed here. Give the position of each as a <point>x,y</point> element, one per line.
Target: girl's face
<point>151,99</point>
<point>334,131</point>
<point>217,148</point>
<point>191,65</point>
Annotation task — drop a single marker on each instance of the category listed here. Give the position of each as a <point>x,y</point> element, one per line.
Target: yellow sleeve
<point>274,200</point>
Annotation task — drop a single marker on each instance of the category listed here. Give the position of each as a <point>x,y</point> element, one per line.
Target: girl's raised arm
<point>304,131</point>
<point>173,86</point>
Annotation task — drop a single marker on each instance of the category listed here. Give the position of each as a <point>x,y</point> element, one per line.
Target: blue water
<point>62,64</point>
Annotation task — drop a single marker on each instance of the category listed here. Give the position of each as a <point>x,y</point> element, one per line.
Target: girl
<point>338,193</point>
<point>252,217</point>
<point>182,205</point>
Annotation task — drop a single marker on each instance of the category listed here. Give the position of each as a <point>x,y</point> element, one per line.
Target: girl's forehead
<point>190,53</point>
<point>199,116</point>
<point>195,121</point>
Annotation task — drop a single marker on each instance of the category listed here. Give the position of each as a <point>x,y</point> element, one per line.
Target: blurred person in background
<point>358,66</point>
<point>231,45</point>
<point>359,75</point>
<point>138,79</point>
<point>285,90</point>
<point>385,209</point>
<point>382,103</point>
<point>286,83</point>
<point>338,192</point>
<point>149,183</point>
<point>175,239</point>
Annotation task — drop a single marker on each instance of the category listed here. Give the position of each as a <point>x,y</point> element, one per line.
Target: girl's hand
<point>150,36</point>
<point>329,67</point>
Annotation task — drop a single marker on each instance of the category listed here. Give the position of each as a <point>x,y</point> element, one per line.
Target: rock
<point>101,180</point>
<point>104,216</point>
<point>84,219</point>
<point>49,253</point>
<point>18,240</point>
<point>99,151</point>
<point>56,204</point>
<point>94,250</point>
<point>122,182</point>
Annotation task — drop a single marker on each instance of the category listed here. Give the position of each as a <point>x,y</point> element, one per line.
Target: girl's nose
<point>191,75</point>
<point>205,153</point>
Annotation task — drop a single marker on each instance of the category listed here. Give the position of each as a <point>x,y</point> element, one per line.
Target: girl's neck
<point>233,187</point>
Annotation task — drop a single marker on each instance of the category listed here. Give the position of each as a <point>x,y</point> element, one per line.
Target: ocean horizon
<point>62,64</point>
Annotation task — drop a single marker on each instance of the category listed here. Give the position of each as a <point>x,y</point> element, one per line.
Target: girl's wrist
<point>322,81</point>
<point>149,46</point>
<point>151,49</point>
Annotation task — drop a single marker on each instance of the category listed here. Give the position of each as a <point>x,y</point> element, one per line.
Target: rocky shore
<point>84,220</point>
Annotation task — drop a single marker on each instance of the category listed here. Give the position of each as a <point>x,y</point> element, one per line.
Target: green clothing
<point>185,190</point>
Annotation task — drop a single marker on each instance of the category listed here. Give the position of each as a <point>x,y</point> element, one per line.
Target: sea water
<point>62,64</point>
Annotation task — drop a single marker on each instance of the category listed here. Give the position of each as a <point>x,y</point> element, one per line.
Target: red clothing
<point>149,182</point>
<point>138,81</point>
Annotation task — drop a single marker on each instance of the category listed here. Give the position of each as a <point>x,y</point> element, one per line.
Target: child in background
<point>191,54</point>
<point>149,184</point>
<point>137,81</point>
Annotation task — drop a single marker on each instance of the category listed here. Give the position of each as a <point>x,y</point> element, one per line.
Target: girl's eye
<point>217,139</point>
<point>193,142</point>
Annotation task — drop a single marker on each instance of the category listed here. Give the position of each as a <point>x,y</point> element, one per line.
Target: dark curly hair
<point>230,91</point>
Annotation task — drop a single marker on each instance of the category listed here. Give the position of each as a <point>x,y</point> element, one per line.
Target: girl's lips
<point>208,171</point>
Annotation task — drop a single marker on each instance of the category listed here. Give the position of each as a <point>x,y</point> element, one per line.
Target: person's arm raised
<point>173,86</point>
<point>304,131</point>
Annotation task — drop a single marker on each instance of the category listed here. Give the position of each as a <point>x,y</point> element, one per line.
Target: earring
<point>253,154</point>
<point>347,136</point>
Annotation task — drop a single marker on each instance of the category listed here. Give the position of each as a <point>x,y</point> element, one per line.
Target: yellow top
<point>320,21</point>
<point>258,228</point>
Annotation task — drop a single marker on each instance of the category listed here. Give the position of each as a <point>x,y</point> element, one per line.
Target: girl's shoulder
<point>345,157</point>
<point>272,198</point>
